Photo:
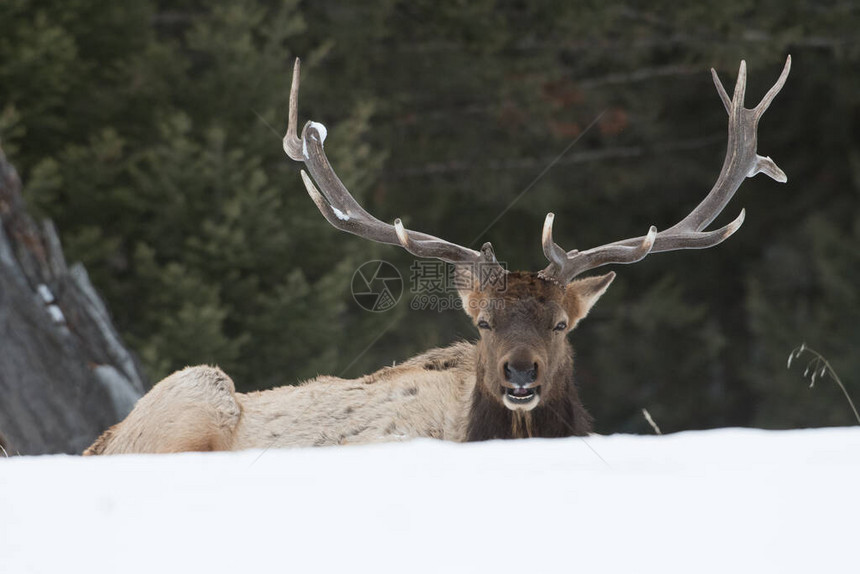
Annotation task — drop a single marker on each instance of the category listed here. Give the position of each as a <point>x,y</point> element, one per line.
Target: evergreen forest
<point>150,133</point>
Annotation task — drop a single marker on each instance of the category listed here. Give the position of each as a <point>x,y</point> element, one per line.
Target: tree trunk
<point>65,375</point>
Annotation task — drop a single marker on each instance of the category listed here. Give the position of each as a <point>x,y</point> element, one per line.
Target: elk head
<point>523,321</point>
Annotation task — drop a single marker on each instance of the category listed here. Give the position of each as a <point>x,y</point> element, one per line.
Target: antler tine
<point>342,211</point>
<point>618,253</point>
<point>292,144</point>
<point>565,266</point>
<point>740,87</point>
<point>765,102</point>
<point>741,161</point>
<point>552,250</point>
<point>727,101</point>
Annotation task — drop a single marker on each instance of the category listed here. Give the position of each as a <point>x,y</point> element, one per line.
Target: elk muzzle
<point>521,386</point>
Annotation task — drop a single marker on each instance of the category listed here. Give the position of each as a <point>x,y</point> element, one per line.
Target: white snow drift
<point>720,501</point>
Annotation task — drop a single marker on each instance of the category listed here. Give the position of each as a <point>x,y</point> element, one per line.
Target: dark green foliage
<point>151,135</point>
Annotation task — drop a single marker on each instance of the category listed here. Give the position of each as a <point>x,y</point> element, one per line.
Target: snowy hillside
<point>720,501</point>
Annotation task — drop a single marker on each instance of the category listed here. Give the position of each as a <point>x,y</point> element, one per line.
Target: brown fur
<point>101,443</point>
<point>453,393</point>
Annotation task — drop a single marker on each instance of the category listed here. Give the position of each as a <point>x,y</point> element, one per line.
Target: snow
<point>45,293</point>
<point>56,314</point>
<point>731,500</point>
<point>321,129</point>
<point>340,215</point>
<point>323,132</point>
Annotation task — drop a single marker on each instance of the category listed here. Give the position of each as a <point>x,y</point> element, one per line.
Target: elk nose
<point>520,377</point>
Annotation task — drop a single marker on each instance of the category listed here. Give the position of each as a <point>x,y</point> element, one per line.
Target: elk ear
<point>471,302</point>
<point>468,288</point>
<point>581,295</point>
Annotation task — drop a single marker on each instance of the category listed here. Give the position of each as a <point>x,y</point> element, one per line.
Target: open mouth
<point>520,397</point>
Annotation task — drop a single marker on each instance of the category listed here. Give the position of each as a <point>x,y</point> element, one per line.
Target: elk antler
<point>344,212</point>
<point>741,162</point>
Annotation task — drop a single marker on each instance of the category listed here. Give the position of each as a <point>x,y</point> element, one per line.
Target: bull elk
<point>515,382</point>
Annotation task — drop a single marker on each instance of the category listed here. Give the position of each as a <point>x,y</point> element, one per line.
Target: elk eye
<point>483,324</point>
<point>560,326</point>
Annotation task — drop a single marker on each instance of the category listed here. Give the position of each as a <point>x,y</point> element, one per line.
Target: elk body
<point>515,382</point>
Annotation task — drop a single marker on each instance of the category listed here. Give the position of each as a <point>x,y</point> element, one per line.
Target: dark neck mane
<point>558,415</point>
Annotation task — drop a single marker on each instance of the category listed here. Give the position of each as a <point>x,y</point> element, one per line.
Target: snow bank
<point>731,500</point>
